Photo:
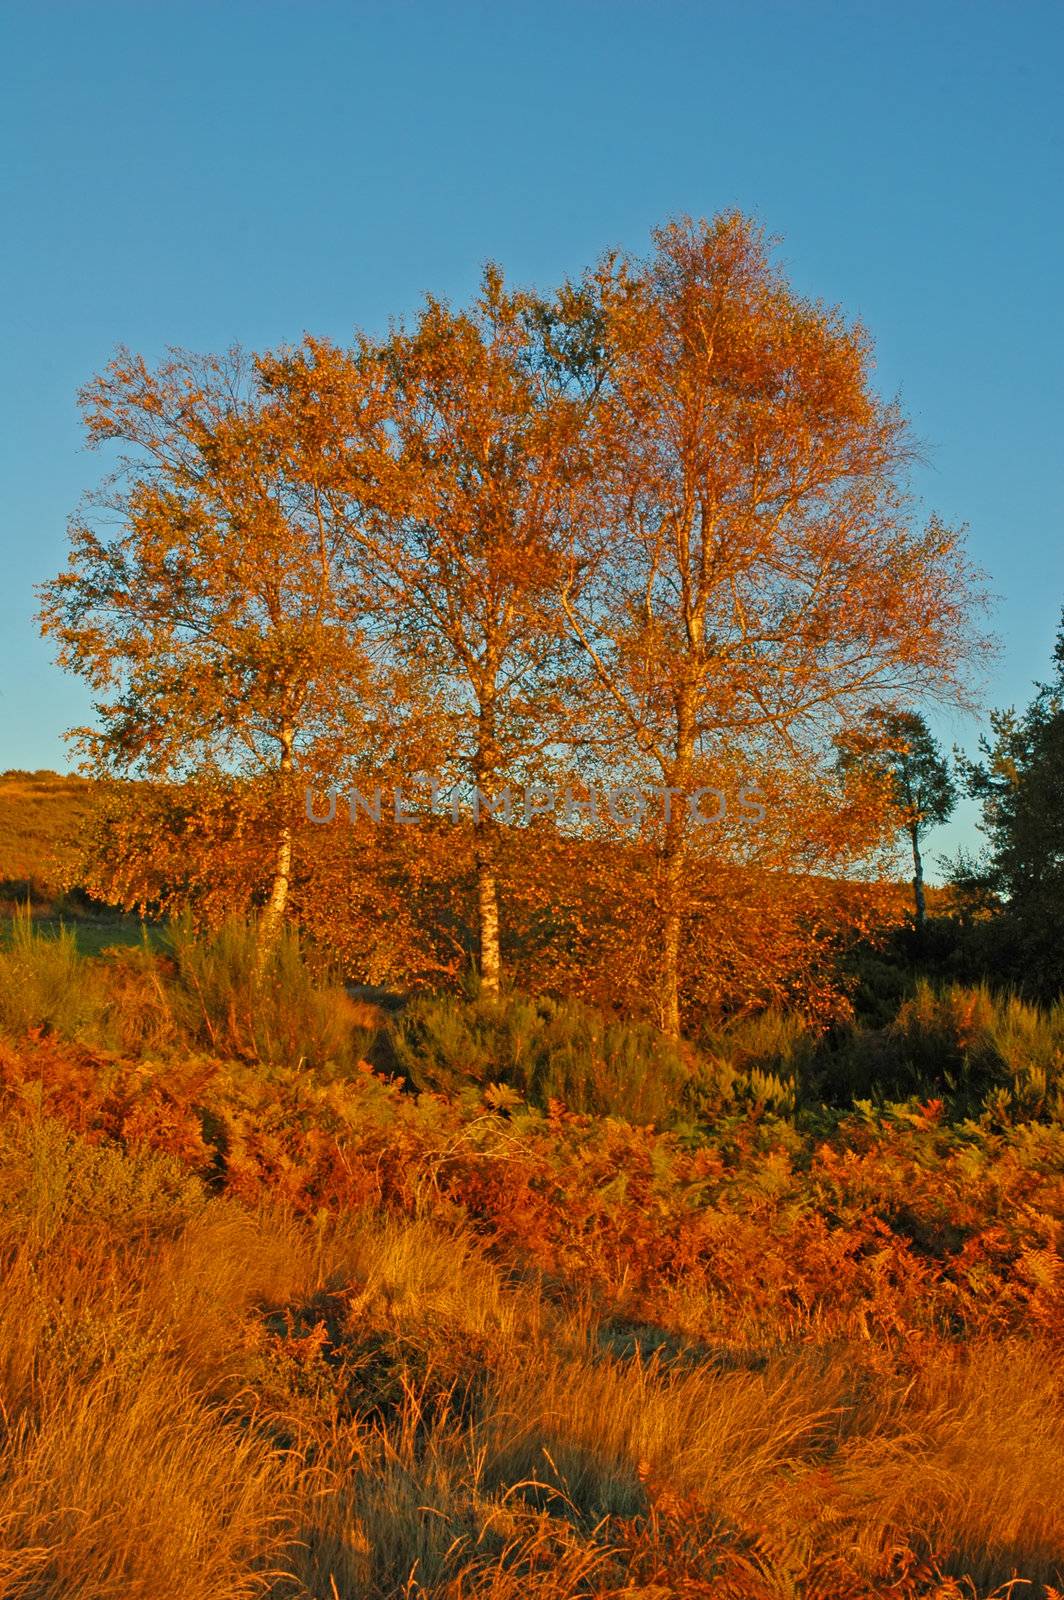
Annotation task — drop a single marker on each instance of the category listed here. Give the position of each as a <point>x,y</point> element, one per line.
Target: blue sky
<point>195,174</point>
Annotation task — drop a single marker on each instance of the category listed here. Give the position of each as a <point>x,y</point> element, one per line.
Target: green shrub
<point>543,1049</point>
<point>51,1178</point>
<point>1028,1042</point>
<point>282,1014</point>
<point>44,983</point>
<point>967,1045</point>
<point>752,1063</point>
<point>206,992</point>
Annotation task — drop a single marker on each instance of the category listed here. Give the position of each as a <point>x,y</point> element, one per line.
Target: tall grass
<point>204,1400</point>
<point>225,1000</point>
<point>43,981</point>
<point>977,1050</point>
<point>202,992</point>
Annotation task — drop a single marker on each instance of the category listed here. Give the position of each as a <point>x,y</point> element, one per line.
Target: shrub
<point>544,1049</point>
<point>751,1063</point>
<point>138,1009</point>
<point>1028,1044</point>
<point>281,1014</point>
<point>51,1178</point>
<point>976,1049</point>
<point>205,993</point>
<point>44,983</point>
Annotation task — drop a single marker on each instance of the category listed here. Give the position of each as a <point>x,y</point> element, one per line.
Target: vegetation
<point>44,818</point>
<point>1019,783</point>
<point>900,748</point>
<point>648,530</point>
<point>278,1323</point>
<point>542,1051</point>
<point>452,1197</point>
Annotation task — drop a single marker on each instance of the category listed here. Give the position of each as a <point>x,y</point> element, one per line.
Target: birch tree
<point>767,577</point>
<point>477,541</point>
<point>207,599</point>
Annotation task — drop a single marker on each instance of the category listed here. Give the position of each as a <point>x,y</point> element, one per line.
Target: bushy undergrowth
<point>281,1013</point>
<point>535,1305</point>
<point>969,1047</point>
<point>43,982</point>
<point>265,1330</point>
<point>198,994</point>
<point>541,1049</point>
<point>975,1051</point>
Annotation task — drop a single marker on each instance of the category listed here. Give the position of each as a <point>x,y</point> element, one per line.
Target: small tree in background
<point>900,747</point>
<point>1020,785</point>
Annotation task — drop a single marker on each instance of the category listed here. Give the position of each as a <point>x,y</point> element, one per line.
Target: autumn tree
<point>901,749</point>
<point>473,543</point>
<point>766,579</point>
<point>207,598</point>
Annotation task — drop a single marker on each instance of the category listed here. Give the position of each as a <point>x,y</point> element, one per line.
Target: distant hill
<point>42,815</point>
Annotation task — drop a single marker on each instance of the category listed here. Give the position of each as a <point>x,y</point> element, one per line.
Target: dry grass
<point>274,1330</point>
<point>41,816</point>
<point>207,1400</point>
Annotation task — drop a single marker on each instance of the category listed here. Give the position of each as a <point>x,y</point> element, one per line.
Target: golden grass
<point>207,1396</point>
<point>204,1400</point>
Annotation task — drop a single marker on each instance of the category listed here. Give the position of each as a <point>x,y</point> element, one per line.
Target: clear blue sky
<point>193,174</point>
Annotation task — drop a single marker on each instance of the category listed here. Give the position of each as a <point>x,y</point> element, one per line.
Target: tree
<point>1020,785</point>
<point>899,746</point>
<point>208,600</point>
<point>764,580</point>
<point>472,542</point>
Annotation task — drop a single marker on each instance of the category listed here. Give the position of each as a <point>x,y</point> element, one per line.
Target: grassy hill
<point>41,815</point>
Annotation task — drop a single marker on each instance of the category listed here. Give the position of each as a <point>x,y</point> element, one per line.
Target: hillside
<point>44,816</point>
<point>41,815</point>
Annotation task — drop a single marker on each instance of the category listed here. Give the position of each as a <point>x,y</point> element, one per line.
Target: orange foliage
<point>653,529</point>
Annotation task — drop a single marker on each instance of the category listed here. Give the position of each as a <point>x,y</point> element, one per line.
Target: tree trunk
<point>674,862</point>
<point>488,917</point>
<point>272,915</point>
<point>271,918</point>
<point>918,881</point>
<point>485,772</point>
<point>669,983</point>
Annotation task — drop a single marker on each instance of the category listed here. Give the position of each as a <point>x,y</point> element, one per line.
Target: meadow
<point>475,1296</point>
